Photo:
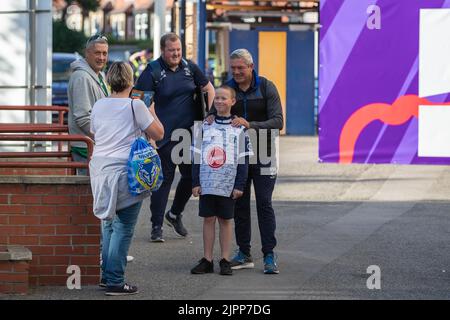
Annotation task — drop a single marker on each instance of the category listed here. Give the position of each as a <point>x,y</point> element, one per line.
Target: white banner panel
<point>434,131</point>
<point>434,52</point>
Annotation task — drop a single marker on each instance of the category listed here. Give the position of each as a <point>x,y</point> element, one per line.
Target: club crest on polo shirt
<point>187,71</point>
<point>163,74</point>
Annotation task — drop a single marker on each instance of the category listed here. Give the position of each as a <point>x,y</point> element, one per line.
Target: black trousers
<point>264,185</point>
<point>184,188</point>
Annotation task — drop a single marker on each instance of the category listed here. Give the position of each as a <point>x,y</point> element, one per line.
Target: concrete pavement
<point>333,221</point>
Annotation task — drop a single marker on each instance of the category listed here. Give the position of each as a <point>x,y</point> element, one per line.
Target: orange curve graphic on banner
<point>394,114</point>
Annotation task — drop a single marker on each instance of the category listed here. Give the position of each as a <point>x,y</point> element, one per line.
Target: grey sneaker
<point>176,224</point>
<point>157,234</point>
<point>241,261</point>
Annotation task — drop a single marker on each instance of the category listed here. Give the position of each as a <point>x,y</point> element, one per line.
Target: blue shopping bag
<point>144,167</point>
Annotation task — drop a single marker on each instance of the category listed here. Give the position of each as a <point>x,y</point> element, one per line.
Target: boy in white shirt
<point>219,179</point>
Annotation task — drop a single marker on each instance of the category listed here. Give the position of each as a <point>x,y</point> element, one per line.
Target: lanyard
<point>102,84</point>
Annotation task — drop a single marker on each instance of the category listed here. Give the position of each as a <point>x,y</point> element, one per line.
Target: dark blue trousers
<point>184,189</point>
<point>263,185</point>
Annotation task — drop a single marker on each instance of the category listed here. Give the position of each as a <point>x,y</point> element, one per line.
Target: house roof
<point>143,4</point>
<point>147,4</point>
<point>121,6</point>
<point>118,6</point>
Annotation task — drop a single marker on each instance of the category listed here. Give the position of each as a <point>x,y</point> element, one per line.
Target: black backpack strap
<point>156,72</point>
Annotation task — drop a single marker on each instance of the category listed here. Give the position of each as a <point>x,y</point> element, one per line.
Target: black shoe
<point>176,224</point>
<point>157,234</point>
<point>225,267</point>
<point>124,290</point>
<point>102,283</point>
<point>203,266</point>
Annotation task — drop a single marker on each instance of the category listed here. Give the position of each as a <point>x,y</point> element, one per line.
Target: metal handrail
<point>32,127</point>
<point>49,137</point>
<point>50,154</point>
<point>36,127</point>
<point>60,109</point>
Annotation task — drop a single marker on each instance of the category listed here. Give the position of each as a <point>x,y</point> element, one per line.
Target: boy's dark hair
<point>230,89</point>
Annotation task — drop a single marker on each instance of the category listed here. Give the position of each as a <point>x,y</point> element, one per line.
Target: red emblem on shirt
<point>216,157</point>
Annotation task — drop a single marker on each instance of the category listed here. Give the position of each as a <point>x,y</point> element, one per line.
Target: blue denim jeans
<point>117,235</point>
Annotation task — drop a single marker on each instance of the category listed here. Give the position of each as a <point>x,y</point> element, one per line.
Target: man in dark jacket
<point>258,107</point>
<point>173,91</point>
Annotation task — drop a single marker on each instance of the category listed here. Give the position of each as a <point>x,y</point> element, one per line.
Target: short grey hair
<point>243,54</point>
<point>98,38</point>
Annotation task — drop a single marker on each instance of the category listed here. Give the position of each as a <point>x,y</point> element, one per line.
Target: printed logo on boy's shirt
<point>216,157</point>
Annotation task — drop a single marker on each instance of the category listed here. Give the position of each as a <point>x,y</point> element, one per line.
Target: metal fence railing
<point>41,132</point>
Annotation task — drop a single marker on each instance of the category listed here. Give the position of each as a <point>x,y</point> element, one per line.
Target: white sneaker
<point>130,258</point>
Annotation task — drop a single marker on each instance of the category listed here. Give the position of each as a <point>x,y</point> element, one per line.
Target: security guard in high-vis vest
<point>139,61</point>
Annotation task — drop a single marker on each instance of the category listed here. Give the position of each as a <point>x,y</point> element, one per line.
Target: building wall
<point>286,57</point>
<point>25,59</point>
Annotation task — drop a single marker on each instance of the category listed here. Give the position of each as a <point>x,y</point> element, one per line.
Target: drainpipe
<point>159,26</point>
<point>183,26</point>
<point>201,32</point>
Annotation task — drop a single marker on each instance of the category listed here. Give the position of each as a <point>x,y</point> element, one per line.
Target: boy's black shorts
<point>218,206</point>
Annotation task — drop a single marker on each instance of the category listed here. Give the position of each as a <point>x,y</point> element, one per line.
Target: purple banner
<point>369,81</point>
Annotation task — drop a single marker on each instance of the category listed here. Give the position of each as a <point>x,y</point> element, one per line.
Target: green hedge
<point>67,40</point>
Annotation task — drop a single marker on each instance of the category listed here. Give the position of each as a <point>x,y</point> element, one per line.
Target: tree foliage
<point>67,40</point>
<point>89,5</point>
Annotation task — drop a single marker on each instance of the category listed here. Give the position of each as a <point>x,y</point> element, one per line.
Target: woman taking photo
<point>115,128</point>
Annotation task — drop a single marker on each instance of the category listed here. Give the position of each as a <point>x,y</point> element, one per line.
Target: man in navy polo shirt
<point>173,93</point>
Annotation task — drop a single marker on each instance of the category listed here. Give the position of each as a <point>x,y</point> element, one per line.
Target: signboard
<point>380,62</point>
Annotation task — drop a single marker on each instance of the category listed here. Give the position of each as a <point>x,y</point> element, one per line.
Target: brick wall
<point>51,216</point>
<point>14,277</point>
<point>14,269</point>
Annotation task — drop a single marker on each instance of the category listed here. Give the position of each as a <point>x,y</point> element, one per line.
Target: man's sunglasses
<point>96,37</point>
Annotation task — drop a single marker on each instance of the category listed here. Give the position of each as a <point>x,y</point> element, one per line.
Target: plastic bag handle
<point>134,121</point>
